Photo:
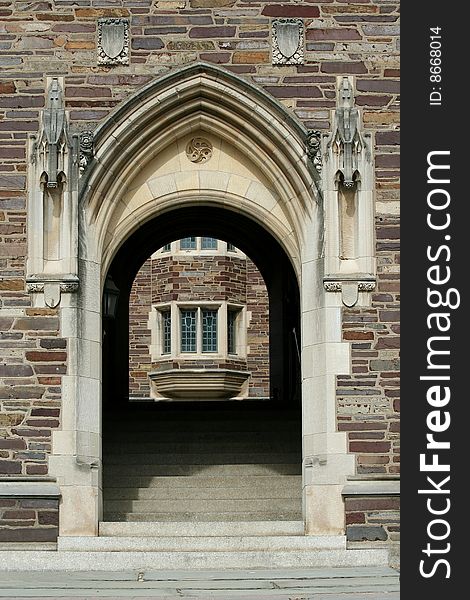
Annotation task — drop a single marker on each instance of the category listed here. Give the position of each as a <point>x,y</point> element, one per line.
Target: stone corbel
<point>52,288</point>
<point>349,288</point>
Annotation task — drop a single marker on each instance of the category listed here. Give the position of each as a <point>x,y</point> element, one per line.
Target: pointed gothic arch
<point>260,167</point>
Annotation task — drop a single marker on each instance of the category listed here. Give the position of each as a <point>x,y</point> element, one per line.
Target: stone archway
<point>258,166</point>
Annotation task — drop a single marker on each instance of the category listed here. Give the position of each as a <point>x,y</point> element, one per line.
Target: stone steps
<point>107,561</point>
<point>203,470</point>
<point>114,439</point>
<point>207,529</point>
<point>211,462</point>
<point>253,446</point>
<point>206,458</point>
<point>232,505</point>
<point>264,515</point>
<point>201,481</point>
<point>200,544</point>
<point>255,492</point>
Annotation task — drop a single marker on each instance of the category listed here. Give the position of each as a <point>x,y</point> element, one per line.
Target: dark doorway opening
<point>231,460</point>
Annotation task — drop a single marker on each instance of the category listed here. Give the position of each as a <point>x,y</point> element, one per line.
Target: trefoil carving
<point>199,150</point>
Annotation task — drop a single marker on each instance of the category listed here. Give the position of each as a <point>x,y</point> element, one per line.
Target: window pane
<point>188,243</point>
<point>208,243</point>
<point>166,248</point>
<point>209,330</point>
<point>231,332</point>
<point>166,330</point>
<point>231,247</point>
<point>188,331</point>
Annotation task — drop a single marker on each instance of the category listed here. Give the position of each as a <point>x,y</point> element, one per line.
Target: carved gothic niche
<point>113,41</point>
<point>288,42</point>
<point>52,201</point>
<point>348,188</point>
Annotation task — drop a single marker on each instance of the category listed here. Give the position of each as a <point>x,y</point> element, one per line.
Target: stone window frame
<point>155,324</point>
<point>223,249</point>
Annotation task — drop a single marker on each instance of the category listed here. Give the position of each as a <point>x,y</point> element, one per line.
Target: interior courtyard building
<point>199,292</point>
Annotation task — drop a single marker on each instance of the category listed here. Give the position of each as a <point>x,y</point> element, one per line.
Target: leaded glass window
<point>188,243</point>
<point>209,330</point>
<point>166,329</point>
<point>231,332</point>
<point>188,330</point>
<point>208,243</point>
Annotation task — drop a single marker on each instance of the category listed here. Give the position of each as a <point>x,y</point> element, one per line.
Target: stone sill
<point>372,487</point>
<point>29,489</point>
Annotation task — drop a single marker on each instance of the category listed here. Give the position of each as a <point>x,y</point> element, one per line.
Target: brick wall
<point>206,278</point>
<point>140,302</point>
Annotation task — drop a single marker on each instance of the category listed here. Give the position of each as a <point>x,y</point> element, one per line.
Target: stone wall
<point>33,359</point>
<point>369,399</point>
<point>372,519</point>
<point>206,278</point>
<point>29,519</point>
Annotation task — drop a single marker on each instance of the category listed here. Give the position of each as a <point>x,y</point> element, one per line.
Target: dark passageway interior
<point>204,460</point>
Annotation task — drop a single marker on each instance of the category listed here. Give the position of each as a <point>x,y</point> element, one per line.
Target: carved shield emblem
<point>112,38</point>
<point>113,41</point>
<point>288,38</point>
<point>287,41</point>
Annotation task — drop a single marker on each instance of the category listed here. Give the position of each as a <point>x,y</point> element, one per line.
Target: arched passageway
<point>256,186</point>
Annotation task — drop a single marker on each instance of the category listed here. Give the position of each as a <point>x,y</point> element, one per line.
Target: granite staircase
<point>213,462</point>
<point>206,486</point>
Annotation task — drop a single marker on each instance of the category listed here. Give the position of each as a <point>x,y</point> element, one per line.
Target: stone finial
<point>346,140</point>
<point>54,124</point>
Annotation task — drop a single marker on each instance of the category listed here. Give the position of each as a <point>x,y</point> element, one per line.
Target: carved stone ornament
<point>54,130</point>
<point>86,149</point>
<point>52,289</point>
<point>199,150</point>
<point>288,41</point>
<point>347,142</point>
<point>314,148</point>
<point>113,41</point>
